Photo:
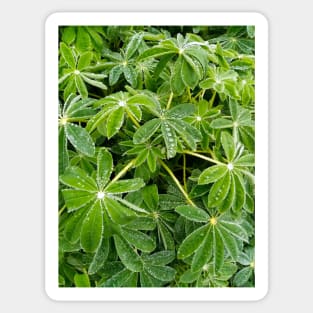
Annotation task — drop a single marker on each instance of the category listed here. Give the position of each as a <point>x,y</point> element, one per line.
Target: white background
<point>22,166</point>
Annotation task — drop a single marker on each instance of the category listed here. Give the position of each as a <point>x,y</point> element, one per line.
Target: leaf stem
<point>203,157</point>
<point>184,172</point>
<point>189,94</point>
<point>133,119</point>
<point>62,209</point>
<point>169,101</point>
<point>123,171</point>
<point>180,187</point>
<point>212,99</point>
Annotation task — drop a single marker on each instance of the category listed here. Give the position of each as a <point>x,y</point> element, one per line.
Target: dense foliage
<point>156,156</point>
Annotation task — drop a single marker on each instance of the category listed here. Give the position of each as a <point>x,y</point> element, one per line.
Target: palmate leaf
<point>100,257</point>
<point>115,121</point>
<point>125,185</point>
<point>170,140</point>
<point>193,213</point>
<point>219,191</point>
<point>212,174</point>
<point>138,239</point>
<point>76,199</point>
<point>146,131</point>
<point>104,167</point>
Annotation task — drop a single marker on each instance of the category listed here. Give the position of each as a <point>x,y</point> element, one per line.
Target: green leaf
<point>234,229</point>
<point>130,75</point>
<point>170,140</point>
<point>77,178</point>
<point>80,139</point>
<point>219,191</point>
<point>163,273</point>
<point>83,41</point>
<point>218,250</point>
<point>189,72</point>
<point>148,102</point>
<point>81,87</point>
<point>193,213</point>
<point>92,229</point>
<point>138,239</point>
<point>104,167</point>
<point>118,212</point>
<point>228,145</point>
<point>203,253</point>
<point>221,123</point>
<point>81,280</point>
<point>73,226</point>
<point>84,60</point>
<point>115,74</point>
<point>128,256</point>
<point>192,242</point>
<point>68,56</point>
<point>63,153</point>
<point>151,197</point>
<point>155,52</point>
<point>229,243</point>
<point>115,121</point>
<point>146,131</point>
<point>100,257</point>
<point>69,35</point>
<point>240,193</point>
<point>189,276</point>
<point>246,160</point>
<point>133,45</point>
<point>242,276</point>
<point>176,82</point>
<point>212,174</point>
<point>92,82</point>
<point>125,185</point>
<point>160,258</point>
<point>166,237</point>
<point>76,199</point>
<point>229,200</point>
<point>123,278</point>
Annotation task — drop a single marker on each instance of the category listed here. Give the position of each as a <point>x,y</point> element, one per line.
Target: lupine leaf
<point>192,213</point>
<point>146,131</point>
<point>212,174</point>
<point>125,185</point>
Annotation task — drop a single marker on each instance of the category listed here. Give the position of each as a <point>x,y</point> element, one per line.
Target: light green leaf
<point>81,280</point>
<point>146,131</point>
<point>193,213</point>
<point>81,87</point>
<point>115,121</point>
<point>125,185</point>
<point>83,41</point>
<point>80,139</point>
<point>138,239</point>
<point>246,160</point>
<point>134,110</point>
<point>148,102</point>
<point>234,229</point>
<point>228,145</point>
<point>189,276</point>
<point>127,255</point>
<point>84,60</point>
<point>189,72</point>
<point>166,237</point>
<point>68,56</point>
<point>130,75</point>
<point>92,228</point>
<point>176,82</point>
<point>218,250</point>
<point>151,161</point>
<point>192,242</point>
<point>229,200</point>
<point>221,123</point>
<point>115,74</point>
<point>123,278</point>
<point>77,178</point>
<point>75,199</point>
<point>242,276</point>
<point>104,167</point>
<point>155,52</point>
<point>212,174</point>
<point>93,82</point>
<point>219,191</point>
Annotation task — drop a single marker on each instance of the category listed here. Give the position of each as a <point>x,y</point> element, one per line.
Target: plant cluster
<point>156,156</point>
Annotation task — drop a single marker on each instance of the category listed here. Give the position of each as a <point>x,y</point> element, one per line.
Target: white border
<point>51,157</point>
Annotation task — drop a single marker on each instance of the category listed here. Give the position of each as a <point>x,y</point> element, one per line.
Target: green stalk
<point>123,171</point>
<point>62,209</point>
<point>180,187</point>
<point>132,119</point>
<point>184,172</point>
<point>203,157</point>
<point>169,101</point>
<point>212,99</point>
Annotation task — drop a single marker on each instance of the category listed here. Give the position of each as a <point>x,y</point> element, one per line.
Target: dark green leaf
<point>125,185</point>
<point>221,123</point>
<point>219,191</point>
<point>164,273</point>
<point>127,255</point>
<point>75,199</point>
<point>104,167</point>
<point>146,131</point>
<point>138,239</point>
<point>193,213</point>
<point>228,145</point>
<point>100,257</point>
<point>115,121</point>
<point>212,174</point>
